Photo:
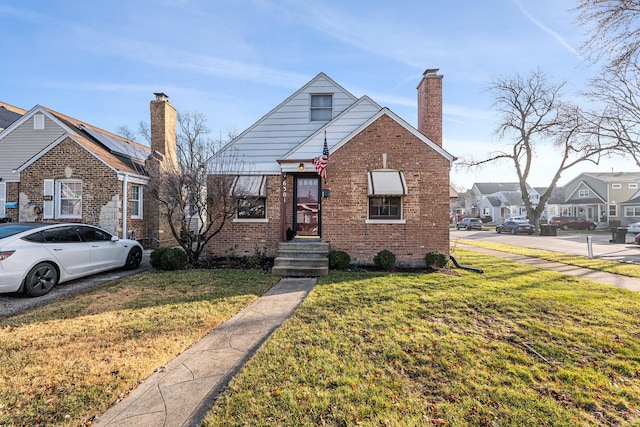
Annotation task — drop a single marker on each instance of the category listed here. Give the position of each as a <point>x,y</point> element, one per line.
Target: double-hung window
<point>583,193</point>
<point>386,190</point>
<point>321,107</point>
<point>250,194</point>
<point>135,201</point>
<point>69,199</point>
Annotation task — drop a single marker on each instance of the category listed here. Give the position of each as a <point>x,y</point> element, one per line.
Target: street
<point>565,241</point>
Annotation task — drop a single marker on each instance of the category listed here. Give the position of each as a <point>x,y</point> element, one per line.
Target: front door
<point>307,206</point>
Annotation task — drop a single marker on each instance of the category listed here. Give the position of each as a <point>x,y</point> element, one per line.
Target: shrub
<point>169,259</point>
<point>436,259</point>
<point>155,257</point>
<point>487,219</point>
<point>339,260</point>
<point>385,259</point>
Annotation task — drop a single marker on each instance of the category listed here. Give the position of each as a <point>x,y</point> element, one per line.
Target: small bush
<point>168,259</point>
<point>385,259</point>
<point>155,257</point>
<point>487,219</point>
<point>436,259</point>
<point>339,260</point>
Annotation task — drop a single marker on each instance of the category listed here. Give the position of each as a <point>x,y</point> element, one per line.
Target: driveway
<point>11,304</point>
<point>566,241</point>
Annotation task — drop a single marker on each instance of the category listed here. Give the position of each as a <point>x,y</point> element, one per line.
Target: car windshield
<point>10,230</point>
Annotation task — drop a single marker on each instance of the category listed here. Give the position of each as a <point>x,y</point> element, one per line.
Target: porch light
<point>301,167</point>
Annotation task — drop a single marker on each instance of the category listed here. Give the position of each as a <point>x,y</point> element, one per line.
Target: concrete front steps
<point>301,259</point>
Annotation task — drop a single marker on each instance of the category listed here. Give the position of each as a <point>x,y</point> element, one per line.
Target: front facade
<point>386,183</point>
<point>498,201</point>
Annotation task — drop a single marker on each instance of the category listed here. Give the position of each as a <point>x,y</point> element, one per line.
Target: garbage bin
<point>548,230</point>
<point>621,235</point>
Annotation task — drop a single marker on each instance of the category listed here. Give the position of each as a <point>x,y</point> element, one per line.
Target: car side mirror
<point>114,238</point>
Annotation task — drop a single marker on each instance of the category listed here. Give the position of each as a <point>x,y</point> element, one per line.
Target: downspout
<point>125,198</point>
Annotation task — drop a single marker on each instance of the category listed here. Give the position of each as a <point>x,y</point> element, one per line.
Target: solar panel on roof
<point>117,146</point>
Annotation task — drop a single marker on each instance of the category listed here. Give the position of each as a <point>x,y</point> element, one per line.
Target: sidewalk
<point>625,282</point>
<point>181,393</point>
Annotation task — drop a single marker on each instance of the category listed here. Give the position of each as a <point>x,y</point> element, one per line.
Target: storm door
<point>307,206</point>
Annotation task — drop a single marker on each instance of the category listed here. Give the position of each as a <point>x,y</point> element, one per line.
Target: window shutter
<point>48,198</point>
<point>3,199</point>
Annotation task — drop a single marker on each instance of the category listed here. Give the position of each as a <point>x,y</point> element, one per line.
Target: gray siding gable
<point>338,129</point>
<point>20,141</point>
<point>283,128</point>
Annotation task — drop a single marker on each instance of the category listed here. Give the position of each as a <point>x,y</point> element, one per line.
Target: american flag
<point>320,163</point>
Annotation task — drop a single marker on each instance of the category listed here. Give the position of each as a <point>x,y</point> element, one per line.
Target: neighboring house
<point>630,210</point>
<point>553,207</point>
<point>499,201</point>
<point>386,186</point>
<point>56,168</point>
<point>601,196</point>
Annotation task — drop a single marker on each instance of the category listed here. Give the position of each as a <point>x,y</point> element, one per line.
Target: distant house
<point>386,186</point>
<point>499,201</point>
<point>602,197</point>
<point>57,168</point>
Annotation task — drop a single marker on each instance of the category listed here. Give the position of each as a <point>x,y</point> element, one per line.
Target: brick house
<point>56,168</point>
<point>386,186</point>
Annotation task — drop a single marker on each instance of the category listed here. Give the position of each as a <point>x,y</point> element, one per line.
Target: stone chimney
<point>163,128</point>
<point>430,105</point>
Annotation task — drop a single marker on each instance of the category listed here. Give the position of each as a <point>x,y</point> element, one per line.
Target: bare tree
<point>613,30</point>
<point>195,207</point>
<point>533,113</point>
<point>618,122</point>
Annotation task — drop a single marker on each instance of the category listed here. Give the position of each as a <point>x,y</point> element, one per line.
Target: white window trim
<point>616,186</point>
<point>321,108</point>
<point>58,198</point>
<point>615,208</point>
<point>583,193</point>
<point>629,211</point>
<point>3,199</point>
<point>633,185</point>
<point>140,199</point>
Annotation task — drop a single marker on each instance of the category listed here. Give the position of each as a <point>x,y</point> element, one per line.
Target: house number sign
<point>284,189</point>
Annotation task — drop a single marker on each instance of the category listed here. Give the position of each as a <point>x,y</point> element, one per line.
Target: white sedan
<point>634,228</point>
<point>34,257</point>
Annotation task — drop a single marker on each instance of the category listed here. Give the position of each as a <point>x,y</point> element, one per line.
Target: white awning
<point>250,186</point>
<point>387,183</point>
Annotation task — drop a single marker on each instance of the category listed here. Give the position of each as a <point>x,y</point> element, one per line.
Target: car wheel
<point>41,279</point>
<point>591,227</point>
<point>133,259</point>
<point>565,227</point>
<point>513,231</point>
<point>499,230</point>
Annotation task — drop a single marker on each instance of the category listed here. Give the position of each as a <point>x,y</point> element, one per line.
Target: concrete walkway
<point>181,393</point>
<point>631,283</point>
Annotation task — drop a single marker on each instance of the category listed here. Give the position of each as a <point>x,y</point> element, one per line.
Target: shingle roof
<point>494,187</point>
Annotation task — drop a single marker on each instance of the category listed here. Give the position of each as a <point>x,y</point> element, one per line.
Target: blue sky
<point>234,60</point>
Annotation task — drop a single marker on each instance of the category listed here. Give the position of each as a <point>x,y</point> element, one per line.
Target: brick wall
<point>13,194</point>
<point>425,208</point>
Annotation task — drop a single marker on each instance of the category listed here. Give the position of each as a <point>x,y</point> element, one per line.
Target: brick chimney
<point>430,105</point>
<point>163,128</point>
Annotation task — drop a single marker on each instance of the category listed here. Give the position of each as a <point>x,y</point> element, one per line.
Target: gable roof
<point>285,134</point>
<point>495,187</point>
<point>118,153</point>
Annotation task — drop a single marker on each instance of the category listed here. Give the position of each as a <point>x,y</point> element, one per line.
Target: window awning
<point>250,186</point>
<point>387,183</point>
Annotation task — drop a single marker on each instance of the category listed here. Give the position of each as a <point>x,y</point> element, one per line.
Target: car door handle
<point>57,249</point>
